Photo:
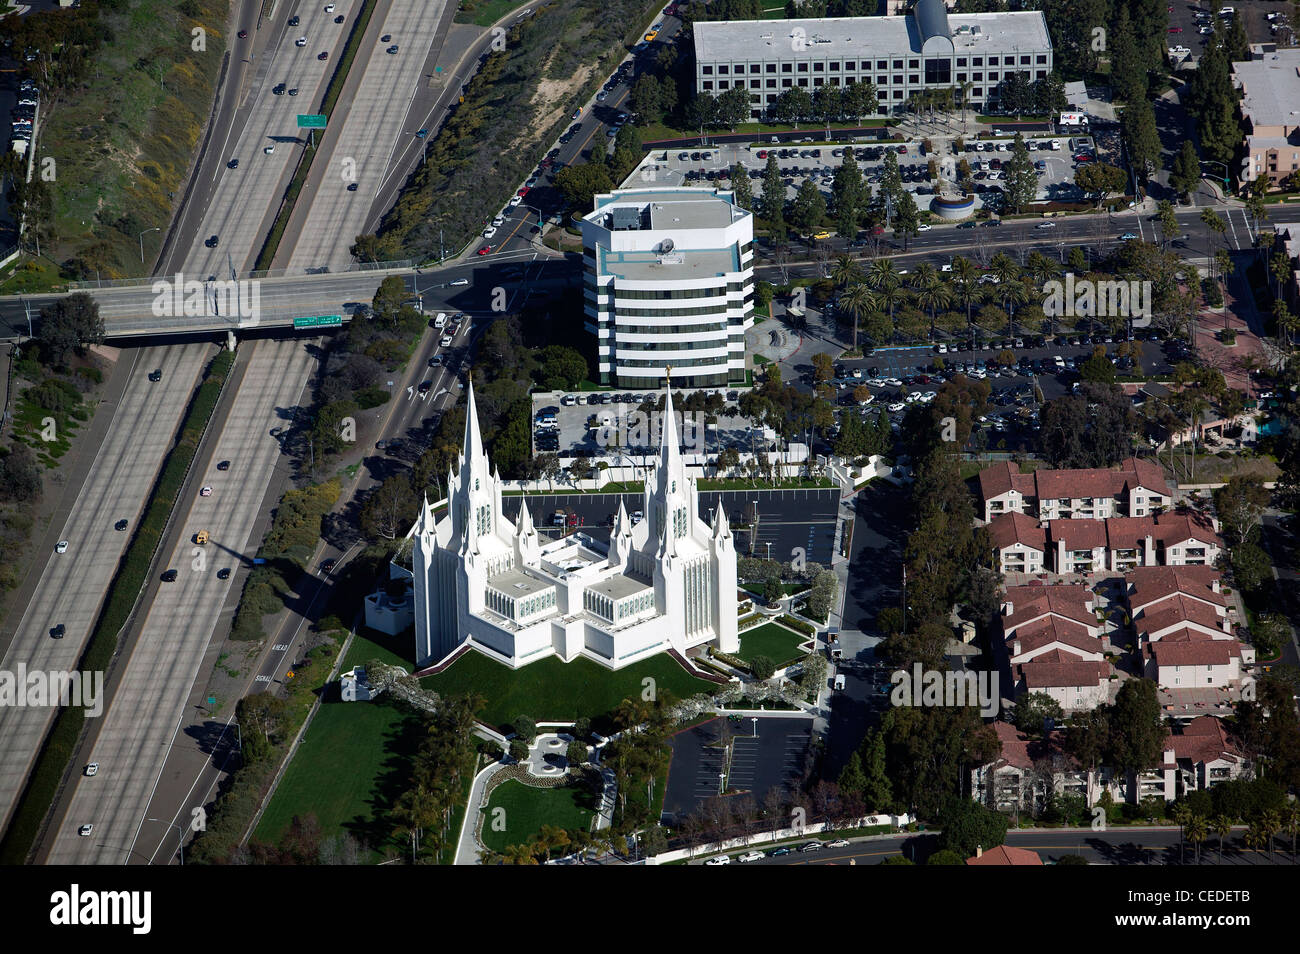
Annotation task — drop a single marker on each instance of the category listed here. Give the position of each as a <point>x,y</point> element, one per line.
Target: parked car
<point>719,860</point>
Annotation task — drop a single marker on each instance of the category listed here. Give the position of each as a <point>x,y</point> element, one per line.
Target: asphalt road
<point>245,199</point>
<point>369,125</point>
<point>73,584</point>
<point>135,734</point>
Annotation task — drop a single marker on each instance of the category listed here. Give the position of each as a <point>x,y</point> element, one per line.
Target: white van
<point>441,320</point>
<point>839,682</point>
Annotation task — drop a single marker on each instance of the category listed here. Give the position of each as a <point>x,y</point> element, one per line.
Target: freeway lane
<point>73,584</point>
<point>247,198</point>
<point>135,734</point>
<point>367,127</point>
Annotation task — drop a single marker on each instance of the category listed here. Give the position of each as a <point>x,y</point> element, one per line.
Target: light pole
<point>754,720</point>
<point>180,837</point>
<point>142,235</point>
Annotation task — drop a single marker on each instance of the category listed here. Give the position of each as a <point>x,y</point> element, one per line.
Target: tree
<point>906,220</point>
<point>809,208</point>
<point>525,728</point>
<point>740,185</point>
<point>762,667</point>
<point>1032,711</point>
<point>1186,172</point>
<point>390,509</point>
<point>576,753</point>
<point>1141,138</point>
<point>1098,370</point>
<point>1137,730</point>
<point>518,749</point>
<point>1251,567</point>
<point>579,184</point>
<point>69,324</point>
<point>1128,71</point>
<point>850,197</point>
<point>771,207</point>
<point>1021,179</point>
<point>945,856</point>
<point>20,475</point>
<point>1100,179</point>
<point>969,826</point>
<point>1241,503</point>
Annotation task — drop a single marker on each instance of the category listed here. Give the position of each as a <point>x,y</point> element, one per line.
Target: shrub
<point>367,398</point>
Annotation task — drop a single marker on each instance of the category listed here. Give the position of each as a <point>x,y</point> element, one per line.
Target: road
<point>369,127</point>
<point>180,618</point>
<point>246,199</point>
<point>73,584</point>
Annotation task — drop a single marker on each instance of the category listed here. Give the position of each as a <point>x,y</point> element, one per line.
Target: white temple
<point>669,582</point>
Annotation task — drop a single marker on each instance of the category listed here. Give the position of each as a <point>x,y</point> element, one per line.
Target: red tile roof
<point>1058,675</point>
<point>1070,484</point>
<point>1042,633</point>
<point>1205,739</point>
<point>1173,528</point>
<point>1020,751</point>
<point>1031,602</point>
<point>1177,609</point>
<point>1003,855</point>
<point>1195,652</point>
<point>1077,534</point>
<point>1154,583</point>
<point>1129,533</point>
<point>1012,528</point>
<point>1047,484</point>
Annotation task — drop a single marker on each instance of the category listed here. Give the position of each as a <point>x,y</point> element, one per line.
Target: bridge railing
<point>404,264</point>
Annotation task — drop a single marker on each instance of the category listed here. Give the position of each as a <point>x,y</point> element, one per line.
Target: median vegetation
<point>332,92</point>
<point>130,580</point>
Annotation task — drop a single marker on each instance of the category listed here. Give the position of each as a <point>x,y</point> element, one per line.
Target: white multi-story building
<point>667,583</point>
<point>928,48</point>
<point>669,282</point>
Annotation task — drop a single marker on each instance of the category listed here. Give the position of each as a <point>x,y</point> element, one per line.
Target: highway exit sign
<point>311,120</point>
<point>319,321</point>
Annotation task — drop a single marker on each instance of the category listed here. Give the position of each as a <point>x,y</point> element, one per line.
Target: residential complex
<point>1115,544</point>
<point>1270,90</point>
<point>926,49</point>
<point>669,284</point>
<point>1138,488</point>
<point>665,583</point>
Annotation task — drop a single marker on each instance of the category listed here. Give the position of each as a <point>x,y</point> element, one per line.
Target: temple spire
<point>670,448</point>
<point>472,446</point>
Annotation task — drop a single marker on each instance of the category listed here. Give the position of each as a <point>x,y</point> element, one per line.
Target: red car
<point>523,192</point>
<point>762,153</point>
<point>878,230</point>
<point>1175,29</point>
<point>243,34</point>
<point>1083,157</point>
<point>902,150</point>
<point>485,249</point>
<point>323,56</point>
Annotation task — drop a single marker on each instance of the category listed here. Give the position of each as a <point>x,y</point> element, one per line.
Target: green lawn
<point>553,691</point>
<point>527,809</point>
<point>352,764</point>
<point>773,641</point>
<point>368,644</point>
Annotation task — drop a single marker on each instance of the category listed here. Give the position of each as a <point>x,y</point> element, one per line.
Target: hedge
<point>798,625</point>
<point>124,591</point>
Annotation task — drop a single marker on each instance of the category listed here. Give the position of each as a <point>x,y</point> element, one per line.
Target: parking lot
<point>712,167</point>
<point>787,519</point>
<point>767,754</point>
<point>614,421</point>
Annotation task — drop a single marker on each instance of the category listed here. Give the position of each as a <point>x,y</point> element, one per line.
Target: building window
<point>706,70</point>
<point>786,68</point>
<point>803,68</point>
<point>722,70</point>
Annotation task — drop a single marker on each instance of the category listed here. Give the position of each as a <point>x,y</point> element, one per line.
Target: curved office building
<point>668,279</point>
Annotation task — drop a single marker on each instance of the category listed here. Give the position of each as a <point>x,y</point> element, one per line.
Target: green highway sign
<point>319,321</point>
<point>311,120</point>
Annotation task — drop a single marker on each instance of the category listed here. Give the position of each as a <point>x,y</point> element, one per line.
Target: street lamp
<point>142,235</point>
<point>180,837</point>
<point>754,719</point>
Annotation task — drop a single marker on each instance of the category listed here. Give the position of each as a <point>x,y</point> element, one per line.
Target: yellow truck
<point>201,537</point>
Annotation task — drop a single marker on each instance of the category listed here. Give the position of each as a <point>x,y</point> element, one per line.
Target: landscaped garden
<point>527,809</point>
<point>773,641</point>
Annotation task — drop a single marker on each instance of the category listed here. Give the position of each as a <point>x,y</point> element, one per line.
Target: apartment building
<point>926,48</point>
<point>1112,545</point>
<point>668,277</point>
<point>1270,91</point>
<point>1137,488</point>
<point>1053,643</point>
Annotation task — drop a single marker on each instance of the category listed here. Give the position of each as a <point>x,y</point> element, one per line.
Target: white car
<point>945,268</point>
<point>498,219</point>
<point>515,200</point>
<point>1179,51</point>
<point>568,400</point>
<point>719,860</point>
<point>92,768</point>
<point>301,41</point>
<point>924,227</point>
<point>329,8</point>
<point>750,856</point>
<point>85,830</point>
<point>1056,145</point>
<point>269,150</point>
<point>445,341</point>
<point>838,843</point>
<point>1045,225</point>
<point>61,546</point>
<point>460,281</point>
<point>897,406</point>
<point>929,396</point>
<point>490,231</point>
<point>205,492</point>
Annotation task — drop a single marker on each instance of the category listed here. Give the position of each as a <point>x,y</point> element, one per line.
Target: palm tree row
<point>1260,833</point>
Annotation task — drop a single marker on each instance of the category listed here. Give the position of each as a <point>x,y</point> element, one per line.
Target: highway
<point>369,126</point>
<point>73,584</point>
<point>245,200</point>
<point>189,769</point>
<point>180,618</point>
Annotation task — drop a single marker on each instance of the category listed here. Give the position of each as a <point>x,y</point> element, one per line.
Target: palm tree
<point>1223,261</point>
<point>1180,814</point>
<point>1270,823</point>
<point>1014,295</point>
<point>1004,267</point>
<point>933,298</point>
<point>856,302</point>
<point>845,270</point>
<point>1197,832</point>
<point>1291,823</point>
<point>1221,825</point>
<point>883,278</point>
<point>965,277</point>
<point>520,855</point>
